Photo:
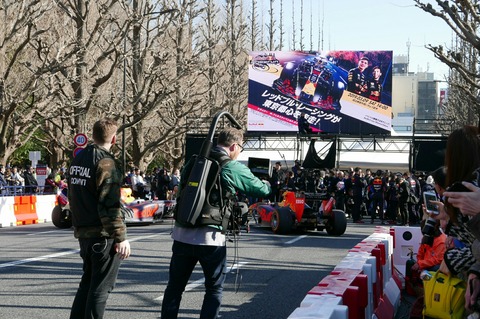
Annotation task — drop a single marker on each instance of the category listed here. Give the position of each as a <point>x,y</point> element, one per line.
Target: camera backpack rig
<point>201,200</point>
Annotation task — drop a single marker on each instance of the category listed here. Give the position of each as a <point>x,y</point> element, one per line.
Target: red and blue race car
<point>300,210</point>
<point>136,211</point>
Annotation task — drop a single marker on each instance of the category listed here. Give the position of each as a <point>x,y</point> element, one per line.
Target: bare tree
<point>187,68</point>
<point>22,92</point>
<point>311,25</point>
<point>271,26</point>
<point>463,18</point>
<point>293,46</point>
<point>302,46</point>
<point>321,28</point>
<point>458,107</point>
<point>237,62</point>
<point>147,75</point>
<point>281,31</point>
<point>212,37</point>
<point>254,33</point>
<point>81,52</point>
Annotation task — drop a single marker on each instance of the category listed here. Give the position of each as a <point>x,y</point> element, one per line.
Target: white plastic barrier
<point>320,306</point>
<point>7,215</point>
<point>44,206</point>
<point>392,292</point>
<point>368,264</point>
<point>41,209</point>
<point>406,239</point>
<point>387,240</point>
<point>363,259</point>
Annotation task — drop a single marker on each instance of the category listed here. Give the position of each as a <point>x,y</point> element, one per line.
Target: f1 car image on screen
<point>316,82</point>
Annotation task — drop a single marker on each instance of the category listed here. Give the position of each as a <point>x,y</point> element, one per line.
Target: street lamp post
<point>123,104</point>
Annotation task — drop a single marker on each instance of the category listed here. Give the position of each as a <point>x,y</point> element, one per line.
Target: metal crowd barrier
<point>19,190</point>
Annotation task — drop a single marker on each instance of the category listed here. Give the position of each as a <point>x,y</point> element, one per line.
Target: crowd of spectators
<point>160,183</point>
<point>391,197</point>
<point>15,180</point>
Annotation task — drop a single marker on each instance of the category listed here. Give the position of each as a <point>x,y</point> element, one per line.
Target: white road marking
<point>29,260</point>
<point>65,253</point>
<point>295,239</point>
<point>45,232</point>
<point>200,282</point>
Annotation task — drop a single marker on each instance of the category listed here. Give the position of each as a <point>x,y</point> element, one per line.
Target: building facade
<point>415,96</point>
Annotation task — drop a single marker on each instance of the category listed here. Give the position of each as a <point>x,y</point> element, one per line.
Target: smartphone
<point>428,197</point>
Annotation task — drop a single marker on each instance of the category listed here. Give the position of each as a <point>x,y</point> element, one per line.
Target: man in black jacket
<point>3,181</point>
<point>403,193</point>
<point>356,77</point>
<point>163,180</point>
<point>358,184</point>
<point>31,184</point>
<point>277,182</point>
<point>94,181</point>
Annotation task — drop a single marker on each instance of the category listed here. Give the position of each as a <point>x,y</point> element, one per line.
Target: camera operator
<point>206,244</point>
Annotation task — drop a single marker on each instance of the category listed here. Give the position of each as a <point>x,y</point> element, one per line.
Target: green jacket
<point>236,177</point>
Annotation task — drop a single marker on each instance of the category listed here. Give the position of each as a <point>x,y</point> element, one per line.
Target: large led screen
<point>340,92</point>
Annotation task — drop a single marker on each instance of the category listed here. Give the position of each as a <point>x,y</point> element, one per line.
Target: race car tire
<point>61,218</point>
<point>281,221</point>
<point>337,224</point>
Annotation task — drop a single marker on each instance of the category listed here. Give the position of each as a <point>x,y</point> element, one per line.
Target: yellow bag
<point>444,296</point>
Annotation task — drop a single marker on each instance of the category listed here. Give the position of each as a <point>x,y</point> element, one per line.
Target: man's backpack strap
<point>225,202</point>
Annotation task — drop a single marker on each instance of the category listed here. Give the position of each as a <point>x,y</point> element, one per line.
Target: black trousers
<point>213,260</point>
<point>357,204</point>
<point>377,202</point>
<point>100,270</point>
<point>404,215</point>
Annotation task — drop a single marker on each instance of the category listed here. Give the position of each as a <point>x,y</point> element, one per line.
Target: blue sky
<point>373,25</point>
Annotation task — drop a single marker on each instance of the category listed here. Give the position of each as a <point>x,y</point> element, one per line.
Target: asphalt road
<point>40,269</point>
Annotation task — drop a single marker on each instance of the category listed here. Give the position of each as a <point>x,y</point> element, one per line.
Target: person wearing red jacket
<point>430,253</point>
